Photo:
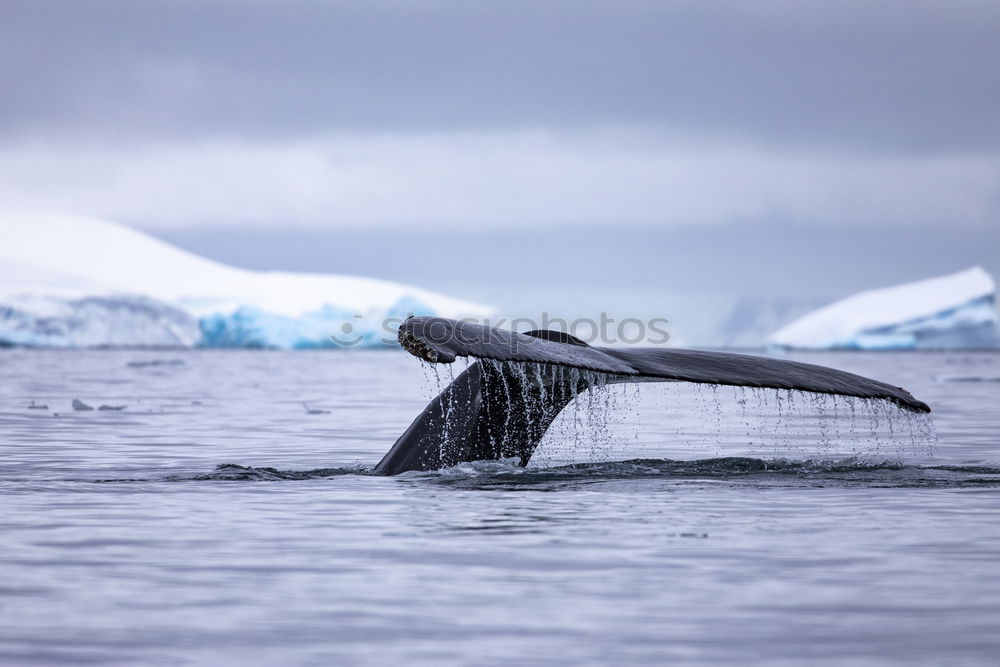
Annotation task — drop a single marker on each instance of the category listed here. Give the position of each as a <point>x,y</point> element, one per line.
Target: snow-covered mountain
<point>70,281</point>
<point>947,312</point>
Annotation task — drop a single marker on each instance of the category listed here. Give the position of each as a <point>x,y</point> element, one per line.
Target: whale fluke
<point>491,412</point>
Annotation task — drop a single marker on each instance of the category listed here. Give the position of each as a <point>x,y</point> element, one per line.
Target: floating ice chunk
<point>967,378</point>
<point>155,362</point>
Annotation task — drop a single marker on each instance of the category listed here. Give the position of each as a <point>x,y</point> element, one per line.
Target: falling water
<point>603,422</point>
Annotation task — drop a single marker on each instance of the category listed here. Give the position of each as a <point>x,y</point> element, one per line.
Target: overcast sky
<point>502,113</point>
<point>490,118</point>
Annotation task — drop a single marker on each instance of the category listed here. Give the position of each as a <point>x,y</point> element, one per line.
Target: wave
<point>507,474</point>
<point>231,472</point>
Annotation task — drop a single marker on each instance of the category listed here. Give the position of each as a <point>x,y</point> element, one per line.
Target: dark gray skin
<point>491,411</point>
<point>488,418</point>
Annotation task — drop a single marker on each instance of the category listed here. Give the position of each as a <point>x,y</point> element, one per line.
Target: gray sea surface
<point>224,515</point>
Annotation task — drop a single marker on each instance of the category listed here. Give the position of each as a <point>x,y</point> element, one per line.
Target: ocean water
<point>224,516</point>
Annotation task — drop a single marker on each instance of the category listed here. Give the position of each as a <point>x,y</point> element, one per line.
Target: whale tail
<point>490,411</point>
<point>499,410</point>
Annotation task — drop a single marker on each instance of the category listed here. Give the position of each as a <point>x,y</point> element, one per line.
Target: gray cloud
<point>887,76</point>
<point>514,180</point>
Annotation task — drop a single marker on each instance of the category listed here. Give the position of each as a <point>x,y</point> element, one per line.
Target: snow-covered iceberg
<point>948,312</point>
<point>70,281</point>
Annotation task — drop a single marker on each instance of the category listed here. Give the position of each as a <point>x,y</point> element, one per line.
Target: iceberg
<point>948,312</point>
<point>70,281</point>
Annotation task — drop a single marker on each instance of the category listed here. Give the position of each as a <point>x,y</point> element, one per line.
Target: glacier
<point>954,311</point>
<point>72,281</point>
